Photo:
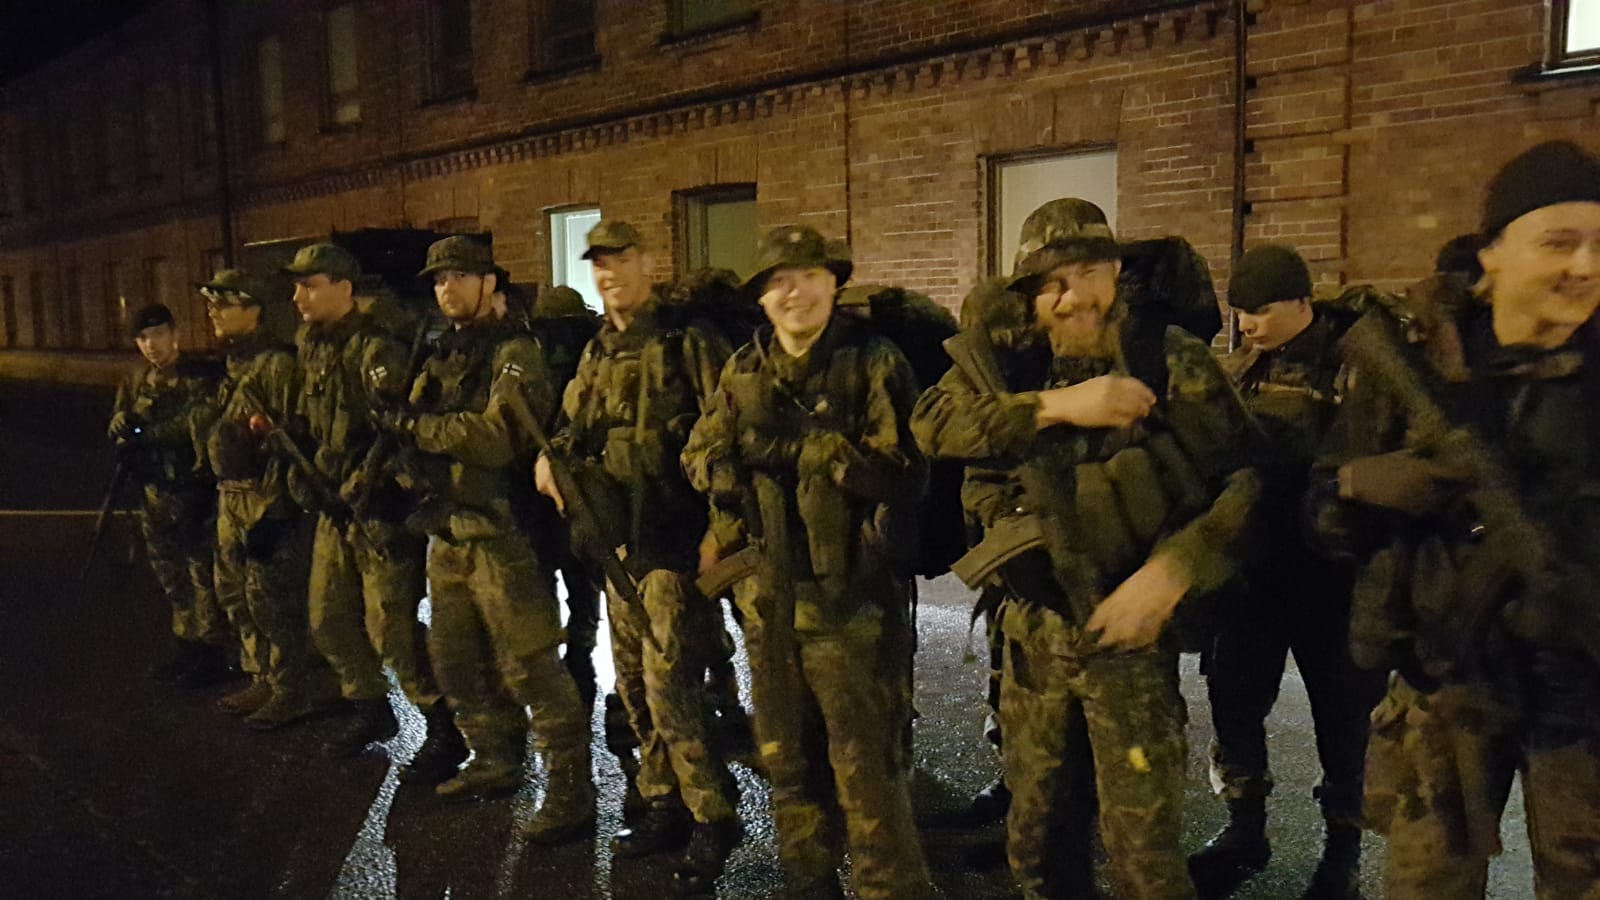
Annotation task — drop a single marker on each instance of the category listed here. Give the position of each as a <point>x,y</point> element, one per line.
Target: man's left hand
<point>1133,616</point>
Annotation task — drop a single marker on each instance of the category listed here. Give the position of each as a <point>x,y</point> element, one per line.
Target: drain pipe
<point>219,117</point>
<point>1241,145</point>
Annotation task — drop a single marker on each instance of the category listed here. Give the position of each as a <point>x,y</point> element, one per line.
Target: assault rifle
<point>118,476</point>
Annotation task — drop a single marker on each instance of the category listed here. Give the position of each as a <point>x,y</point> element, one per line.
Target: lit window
<point>569,232</point>
<point>269,86</point>
<point>1575,32</point>
<point>717,228</point>
<point>344,104</point>
<point>1019,186</point>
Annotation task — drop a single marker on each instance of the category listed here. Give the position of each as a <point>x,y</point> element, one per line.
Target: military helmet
<point>558,301</point>
<point>798,247</point>
<point>235,287</point>
<point>612,236</point>
<point>1059,232</point>
<point>459,253</point>
<point>327,259</point>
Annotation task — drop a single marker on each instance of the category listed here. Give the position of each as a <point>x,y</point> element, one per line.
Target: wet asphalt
<point>114,786</point>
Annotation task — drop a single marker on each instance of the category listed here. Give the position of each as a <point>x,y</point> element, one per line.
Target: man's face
<point>464,296</point>
<point>1073,303</point>
<point>1545,267</point>
<point>623,279</point>
<point>231,319</point>
<point>158,344</point>
<point>320,299</point>
<point>799,302</point>
<point>1275,324</point>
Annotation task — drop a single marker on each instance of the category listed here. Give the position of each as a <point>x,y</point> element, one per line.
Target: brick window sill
<point>1568,92</point>
<point>584,66</point>
<point>747,23</point>
<point>1540,77</point>
<point>470,95</point>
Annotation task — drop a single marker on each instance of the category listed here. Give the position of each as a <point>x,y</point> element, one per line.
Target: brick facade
<point>1371,129</point>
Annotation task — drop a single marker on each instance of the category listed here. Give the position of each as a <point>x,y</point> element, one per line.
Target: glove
<point>1401,481</point>
<point>823,456</point>
<point>398,422</point>
<point>124,429</point>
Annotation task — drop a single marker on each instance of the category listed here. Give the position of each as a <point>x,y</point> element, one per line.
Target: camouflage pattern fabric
<point>1134,715</point>
<point>181,550</point>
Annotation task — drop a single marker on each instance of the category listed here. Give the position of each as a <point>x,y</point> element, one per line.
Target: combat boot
<point>1238,851</point>
<point>211,667</point>
<point>242,703</point>
<point>287,708</point>
<point>990,804</point>
<point>663,827</point>
<point>1338,875</point>
<point>441,753</point>
<point>568,812</point>
<point>484,778</point>
<point>369,721</point>
<point>706,857</point>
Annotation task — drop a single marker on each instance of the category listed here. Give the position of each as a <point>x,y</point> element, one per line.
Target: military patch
<point>511,369</point>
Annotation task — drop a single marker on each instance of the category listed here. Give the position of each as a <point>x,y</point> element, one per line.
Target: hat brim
<point>841,269</point>
<point>598,250</point>
<point>1031,273</point>
<point>447,267</point>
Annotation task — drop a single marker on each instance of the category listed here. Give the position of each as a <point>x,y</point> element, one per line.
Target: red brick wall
<point>1373,126</point>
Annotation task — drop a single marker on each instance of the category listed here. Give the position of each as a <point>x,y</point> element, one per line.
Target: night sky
<point>34,31</point>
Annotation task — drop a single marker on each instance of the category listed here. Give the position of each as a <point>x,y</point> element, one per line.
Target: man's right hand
<point>1109,401</point>
<point>545,482</point>
<point>122,427</point>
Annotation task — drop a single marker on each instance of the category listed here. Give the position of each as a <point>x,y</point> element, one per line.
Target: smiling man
<point>1130,456</point>
<point>1464,470</point>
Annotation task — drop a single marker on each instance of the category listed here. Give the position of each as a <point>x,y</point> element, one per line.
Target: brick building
<point>923,129</point>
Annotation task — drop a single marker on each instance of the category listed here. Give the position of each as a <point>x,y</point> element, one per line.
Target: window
<point>450,34</point>
<point>689,16</point>
<point>560,34</point>
<point>1019,186</point>
<point>344,103</point>
<point>8,311</point>
<point>72,305</point>
<point>37,309</point>
<point>717,228</point>
<point>1574,33</point>
<point>269,89</point>
<point>148,122</point>
<point>114,303</point>
<point>205,115</point>
<point>569,230</point>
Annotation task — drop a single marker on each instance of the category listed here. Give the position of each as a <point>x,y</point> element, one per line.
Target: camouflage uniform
<point>263,544</point>
<point>1479,698</point>
<point>1107,500</point>
<point>828,621</point>
<point>625,416</point>
<point>177,511</point>
<point>367,576</point>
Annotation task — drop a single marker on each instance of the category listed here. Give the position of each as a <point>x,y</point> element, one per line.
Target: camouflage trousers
<point>181,549</point>
<point>1439,773</point>
<point>1244,669</point>
<point>831,710</point>
<point>1056,676</point>
<point>261,572</point>
<point>660,647</point>
<point>364,612</point>
<point>493,642</point>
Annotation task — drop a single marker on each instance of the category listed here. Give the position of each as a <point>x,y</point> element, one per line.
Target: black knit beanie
<point>1544,175</point>
<point>1267,274</point>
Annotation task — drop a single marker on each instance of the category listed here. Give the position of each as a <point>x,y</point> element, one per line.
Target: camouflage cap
<point>558,301</point>
<point>1268,274</point>
<point>612,236</point>
<point>1062,231</point>
<point>152,316</point>
<point>459,253</point>
<point>235,287</point>
<point>799,247</point>
<point>325,259</point>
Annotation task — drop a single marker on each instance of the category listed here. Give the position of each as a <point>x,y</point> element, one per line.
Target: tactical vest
<point>234,452</point>
<point>340,365</point>
<point>162,402</point>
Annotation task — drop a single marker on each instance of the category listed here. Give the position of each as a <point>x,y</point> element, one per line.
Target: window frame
<point>8,311</point>
<point>334,100</point>
<point>263,122</point>
<point>994,166</point>
<point>1561,12</point>
<point>689,215</point>
<point>558,273</point>
<point>439,91</point>
<point>678,30</point>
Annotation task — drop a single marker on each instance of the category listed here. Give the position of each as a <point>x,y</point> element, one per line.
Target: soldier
<point>152,427</point>
<point>1464,467</point>
<point>488,590</point>
<point>1294,600</point>
<point>809,433</point>
<point>1124,442</point>
<point>640,386</point>
<point>263,548</point>
<point>366,568</point>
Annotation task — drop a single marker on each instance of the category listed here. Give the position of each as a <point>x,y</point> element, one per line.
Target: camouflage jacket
<point>261,378</point>
<point>163,405</point>
<point>1180,481</point>
<point>1442,594</point>
<point>627,413</point>
<point>349,370</point>
<point>467,439</point>
<point>823,444</point>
